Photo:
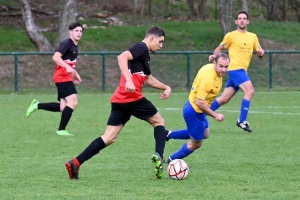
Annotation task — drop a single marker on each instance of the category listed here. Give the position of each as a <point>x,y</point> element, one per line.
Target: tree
<point>270,6</point>
<point>201,9</point>
<point>200,13</point>
<point>67,16</point>
<point>244,5</point>
<point>193,13</point>
<point>225,14</point>
<point>38,39</point>
<point>295,4</point>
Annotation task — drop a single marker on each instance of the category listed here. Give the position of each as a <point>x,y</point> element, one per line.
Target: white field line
<point>237,111</point>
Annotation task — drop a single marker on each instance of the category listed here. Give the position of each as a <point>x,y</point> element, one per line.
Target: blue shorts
<point>196,122</point>
<point>236,78</point>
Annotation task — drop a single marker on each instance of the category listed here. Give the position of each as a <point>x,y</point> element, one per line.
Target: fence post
<point>103,73</point>
<point>16,73</point>
<point>270,71</point>
<point>188,71</point>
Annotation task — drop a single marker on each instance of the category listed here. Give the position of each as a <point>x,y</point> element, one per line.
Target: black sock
<point>160,139</point>
<point>91,150</point>
<point>65,117</point>
<point>53,106</point>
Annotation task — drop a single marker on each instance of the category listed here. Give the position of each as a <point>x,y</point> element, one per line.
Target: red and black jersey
<point>69,52</point>
<point>139,69</point>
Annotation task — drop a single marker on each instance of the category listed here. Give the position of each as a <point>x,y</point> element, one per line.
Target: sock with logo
<point>244,110</point>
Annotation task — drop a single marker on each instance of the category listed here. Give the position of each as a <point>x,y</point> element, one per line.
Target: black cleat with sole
<point>244,125</point>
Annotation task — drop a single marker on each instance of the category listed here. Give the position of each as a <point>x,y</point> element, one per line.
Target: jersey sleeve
<point>256,46</point>
<point>137,50</point>
<point>226,41</point>
<point>64,46</point>
<point>204,89</point>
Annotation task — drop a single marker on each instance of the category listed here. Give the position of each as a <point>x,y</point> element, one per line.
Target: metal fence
<point>99,70</point>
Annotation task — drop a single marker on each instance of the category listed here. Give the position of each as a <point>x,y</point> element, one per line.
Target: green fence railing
<point>188,54</point>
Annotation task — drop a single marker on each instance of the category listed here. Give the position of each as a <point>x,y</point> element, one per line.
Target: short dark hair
<point>155,30</point>
<point>221,55</point>
<point>242,12</point>
<point>74,25</point>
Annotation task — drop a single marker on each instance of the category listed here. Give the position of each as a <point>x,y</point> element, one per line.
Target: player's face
<point>76,33</point>
<point>242,21</point>
<point>156,43</point>
<point>221,66</point>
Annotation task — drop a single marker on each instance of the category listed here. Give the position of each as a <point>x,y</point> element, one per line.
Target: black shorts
<point>65,89</point>
<point>121,112</point>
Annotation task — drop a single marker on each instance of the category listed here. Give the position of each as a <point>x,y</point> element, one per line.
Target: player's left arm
<point>259,50</point>
<point>153,82</point>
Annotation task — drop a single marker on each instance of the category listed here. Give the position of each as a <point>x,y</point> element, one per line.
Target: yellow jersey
<point>206,86</point>
<point>240,47</point>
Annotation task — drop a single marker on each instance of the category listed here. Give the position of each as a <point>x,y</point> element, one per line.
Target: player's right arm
<point>123,64</point>
<point>59,61</point>
<point>203,106</point>
<point>224,44</point>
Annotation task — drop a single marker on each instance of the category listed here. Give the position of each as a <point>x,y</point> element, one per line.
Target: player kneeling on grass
<point>205,88</point>
<point>128,100</point>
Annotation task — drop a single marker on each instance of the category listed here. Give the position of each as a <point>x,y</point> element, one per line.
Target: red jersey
<point>69,52</point>
<point>139,69</point>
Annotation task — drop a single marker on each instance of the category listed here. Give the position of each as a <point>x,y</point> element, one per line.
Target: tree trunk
<point>38,39</point>
<point>201,9</point>
<point>67,16</point>
<point>225,10</point>
<point>193,13</point>
<point>295,4</point>
<point>244,6</point>
<point>269,4</point>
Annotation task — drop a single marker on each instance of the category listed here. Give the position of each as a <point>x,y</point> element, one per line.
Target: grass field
<point>231,164</point>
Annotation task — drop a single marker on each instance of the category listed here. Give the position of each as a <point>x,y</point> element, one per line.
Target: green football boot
<point>63,132</point>
<point>158,163</point>
<point>33,107</point>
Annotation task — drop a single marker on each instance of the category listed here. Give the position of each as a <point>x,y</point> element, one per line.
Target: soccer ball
<point>178,169</point>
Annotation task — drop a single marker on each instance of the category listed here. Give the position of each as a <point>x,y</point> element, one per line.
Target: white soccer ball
<point>178,169</point>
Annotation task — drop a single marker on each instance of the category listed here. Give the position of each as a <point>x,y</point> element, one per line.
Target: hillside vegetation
<point>35,72</point>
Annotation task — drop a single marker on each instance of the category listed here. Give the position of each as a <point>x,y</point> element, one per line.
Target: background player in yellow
<point>205,88</point>
<point>240,44</point>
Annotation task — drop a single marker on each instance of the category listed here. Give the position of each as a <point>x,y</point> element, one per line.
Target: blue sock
<point>215,105</point>
<point>244,110</point>
<point>181,153</point>
<point>179,135</point>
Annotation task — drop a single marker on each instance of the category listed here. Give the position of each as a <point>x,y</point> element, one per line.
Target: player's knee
<point>159,121</point>
<point>223,100</point>
<point>206,135</point>
<point>249,93</point>
<point>73,104</point>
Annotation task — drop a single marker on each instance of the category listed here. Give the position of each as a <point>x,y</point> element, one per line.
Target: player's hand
<point>69,69</point>
<point>129,87</point>
<point>211,58</point>
<point>260,53</point>
<point>165,94</point>
<point>219,117</point>
<point>77,79</point>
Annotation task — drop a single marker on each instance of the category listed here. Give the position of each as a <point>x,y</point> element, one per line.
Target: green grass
<point>183,35</point>
<point>231,164</point>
